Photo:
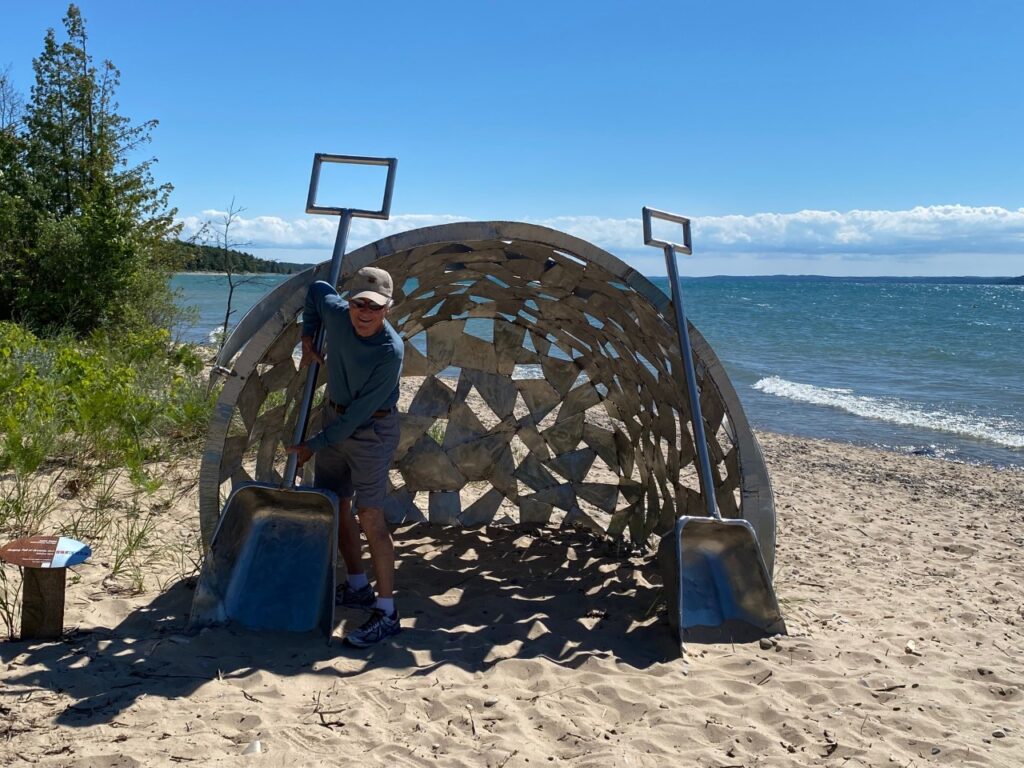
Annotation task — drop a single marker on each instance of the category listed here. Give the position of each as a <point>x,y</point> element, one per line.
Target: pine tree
<point>86,239</point>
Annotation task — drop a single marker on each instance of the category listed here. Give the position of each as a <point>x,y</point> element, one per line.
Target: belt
<point>379,414</point>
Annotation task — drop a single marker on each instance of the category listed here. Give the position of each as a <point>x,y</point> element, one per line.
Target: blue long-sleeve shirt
<point>362,373</point>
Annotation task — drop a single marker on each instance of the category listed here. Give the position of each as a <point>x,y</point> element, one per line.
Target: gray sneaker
<point>378,627</point>
<point>355,598</point>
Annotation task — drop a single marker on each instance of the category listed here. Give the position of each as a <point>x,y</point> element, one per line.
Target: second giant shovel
<point>718,586</point>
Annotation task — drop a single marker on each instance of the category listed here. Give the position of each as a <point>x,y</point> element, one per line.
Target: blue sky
<point>868,138</point>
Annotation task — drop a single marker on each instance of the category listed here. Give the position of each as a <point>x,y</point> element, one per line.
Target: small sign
<point>45,552</point>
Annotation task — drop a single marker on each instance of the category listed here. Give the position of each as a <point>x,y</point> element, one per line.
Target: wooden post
<point>45,560</point>
<point>42,604</point>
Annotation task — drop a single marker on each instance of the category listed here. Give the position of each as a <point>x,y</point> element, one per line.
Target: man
<point>360,433</point>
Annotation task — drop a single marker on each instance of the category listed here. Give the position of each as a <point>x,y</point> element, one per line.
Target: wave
<point>892,410</point>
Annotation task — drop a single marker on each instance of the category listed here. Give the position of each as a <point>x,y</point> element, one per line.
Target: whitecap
<point>895,411</point>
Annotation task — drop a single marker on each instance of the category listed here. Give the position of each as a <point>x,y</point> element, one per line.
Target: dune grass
<point>88,429</point>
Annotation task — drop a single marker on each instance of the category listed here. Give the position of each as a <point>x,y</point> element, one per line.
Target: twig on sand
<point>1003,650</point>
<point>576,736</point>
<point>534,698</point>
<point>510,755</point>
<point>320,712</point>
<point>330,723</point>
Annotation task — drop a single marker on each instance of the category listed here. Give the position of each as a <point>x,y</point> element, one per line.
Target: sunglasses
<point>366,304</point>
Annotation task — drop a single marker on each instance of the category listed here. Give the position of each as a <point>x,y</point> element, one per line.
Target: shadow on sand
<point>468,598</point>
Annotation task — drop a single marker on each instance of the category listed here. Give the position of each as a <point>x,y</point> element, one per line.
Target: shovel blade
<point>717,584</point>
<point>271,561</point>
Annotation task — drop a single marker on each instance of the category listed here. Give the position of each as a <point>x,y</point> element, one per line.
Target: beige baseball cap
<point>371,283</point>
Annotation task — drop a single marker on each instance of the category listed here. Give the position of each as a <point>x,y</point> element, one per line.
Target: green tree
<point>15,211</point>
<point>82,236</point>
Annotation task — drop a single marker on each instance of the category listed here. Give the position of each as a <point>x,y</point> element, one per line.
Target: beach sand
<point>900,578</point>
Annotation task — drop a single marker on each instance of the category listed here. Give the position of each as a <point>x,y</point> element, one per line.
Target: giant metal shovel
<point>271,561</point>
<point>716,579</point>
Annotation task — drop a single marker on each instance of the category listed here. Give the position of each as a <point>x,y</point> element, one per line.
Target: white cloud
<point>313,232</point>
<point>916,235</point>
<point>932,229</point>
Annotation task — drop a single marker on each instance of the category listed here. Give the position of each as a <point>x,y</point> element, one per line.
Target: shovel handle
<point>337,257</point>
<point>707,484</point>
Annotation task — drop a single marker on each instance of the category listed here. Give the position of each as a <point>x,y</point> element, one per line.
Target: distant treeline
<point>882,279</point>
<point>207,258</point>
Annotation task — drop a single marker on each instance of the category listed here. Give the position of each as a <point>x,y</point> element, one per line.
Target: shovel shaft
<point>340,241</point>
<point>707,485</point>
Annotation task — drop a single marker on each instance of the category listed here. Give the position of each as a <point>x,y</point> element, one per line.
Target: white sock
<point>386,604</point>
<point>357,580</point>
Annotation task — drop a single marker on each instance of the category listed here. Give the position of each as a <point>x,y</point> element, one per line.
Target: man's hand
<point>309,354</point>
<point>302,453</point>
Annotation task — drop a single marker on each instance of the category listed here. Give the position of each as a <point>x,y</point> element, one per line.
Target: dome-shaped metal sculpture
<point>548,391</point>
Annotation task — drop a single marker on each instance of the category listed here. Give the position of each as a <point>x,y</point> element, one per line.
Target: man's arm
<point>312,311</point>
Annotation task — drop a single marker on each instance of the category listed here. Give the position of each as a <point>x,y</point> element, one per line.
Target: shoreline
<point>921,279</point>
<point>237,274</point>
<point>891,451</point>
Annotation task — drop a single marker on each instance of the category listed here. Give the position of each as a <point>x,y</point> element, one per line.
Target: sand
<point>900,578</point>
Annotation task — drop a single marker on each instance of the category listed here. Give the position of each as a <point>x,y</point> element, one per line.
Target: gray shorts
<point>359,465</point>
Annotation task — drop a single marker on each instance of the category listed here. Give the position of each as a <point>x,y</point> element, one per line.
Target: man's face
<point>367,316</point>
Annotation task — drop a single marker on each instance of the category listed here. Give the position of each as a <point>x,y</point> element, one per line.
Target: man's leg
<point>356,592</point>
<point>382,549</point>
<point>371,450</point>
<point>348,538</point>
<point>333,472</point>
<point>383,621</point>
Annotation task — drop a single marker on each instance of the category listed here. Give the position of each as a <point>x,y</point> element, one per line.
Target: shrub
<point>106,400</point>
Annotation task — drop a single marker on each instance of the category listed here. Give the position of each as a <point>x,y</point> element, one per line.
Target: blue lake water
<point>913,367</point>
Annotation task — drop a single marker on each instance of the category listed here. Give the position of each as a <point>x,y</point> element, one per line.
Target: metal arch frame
<point>262,325</point>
